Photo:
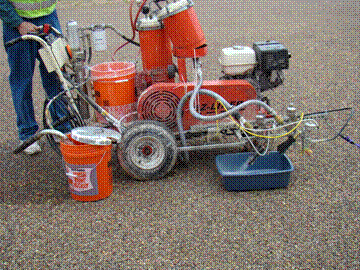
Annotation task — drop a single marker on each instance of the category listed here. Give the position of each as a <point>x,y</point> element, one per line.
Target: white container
<point>99,40</point>
<point>237,60</point>
<point>73,35</point>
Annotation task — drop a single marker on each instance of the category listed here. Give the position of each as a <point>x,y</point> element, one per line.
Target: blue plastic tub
<point>267,172</point>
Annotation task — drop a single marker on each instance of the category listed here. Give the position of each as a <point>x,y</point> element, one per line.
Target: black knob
<point>145,10</point>
<point>172,70</point>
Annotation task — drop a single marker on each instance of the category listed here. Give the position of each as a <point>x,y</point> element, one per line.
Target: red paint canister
<point>182,26</point>
<point>156,49</point>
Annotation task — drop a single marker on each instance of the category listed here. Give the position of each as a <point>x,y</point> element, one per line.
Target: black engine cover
<point>271,55</point>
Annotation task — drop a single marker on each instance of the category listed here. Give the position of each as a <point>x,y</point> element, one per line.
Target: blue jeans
<point>22,57</point>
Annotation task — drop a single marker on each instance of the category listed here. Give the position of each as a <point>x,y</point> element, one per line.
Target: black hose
<point>130,41</point>
<point>27,143</point>
<point>70,117</point>
<point>123,36</point>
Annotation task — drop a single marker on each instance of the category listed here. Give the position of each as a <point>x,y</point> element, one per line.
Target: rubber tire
<point>137,135</point>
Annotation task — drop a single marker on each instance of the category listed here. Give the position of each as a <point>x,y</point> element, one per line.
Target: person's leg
<point>51,83</point>
<point>21,58</point>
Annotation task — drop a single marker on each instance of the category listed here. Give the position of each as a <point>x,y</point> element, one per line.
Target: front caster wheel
<point>147,151</point>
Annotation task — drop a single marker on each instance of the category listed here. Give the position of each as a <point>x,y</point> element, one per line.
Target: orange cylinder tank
<point>156,49</point>
<point>182,26</point>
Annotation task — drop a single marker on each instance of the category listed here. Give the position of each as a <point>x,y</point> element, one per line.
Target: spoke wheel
<point>147,150</point>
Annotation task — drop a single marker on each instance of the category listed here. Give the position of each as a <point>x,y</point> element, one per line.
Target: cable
<point>341,130</point>
<point>349,140</point>
<point>263,136</point>
<point>282,126</point>
<point>132,23</point>
<point>255,148</point>
<point>249,139</point>
<point>70,118</point>
<point>123,36</point>
<point>278,136</point>
<point>229,107</point>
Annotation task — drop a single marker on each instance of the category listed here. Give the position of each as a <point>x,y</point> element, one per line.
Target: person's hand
<point>26,27</point>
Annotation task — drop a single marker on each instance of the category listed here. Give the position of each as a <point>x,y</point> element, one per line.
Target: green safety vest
<point>33,8</point>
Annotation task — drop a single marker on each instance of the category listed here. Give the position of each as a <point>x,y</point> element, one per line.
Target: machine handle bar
<point>26,143</point>
<point>13,41</point>
<point>36,137</point>
<point>43,31</point>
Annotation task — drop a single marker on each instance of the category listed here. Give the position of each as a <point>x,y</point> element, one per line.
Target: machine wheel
<point>148,150</point>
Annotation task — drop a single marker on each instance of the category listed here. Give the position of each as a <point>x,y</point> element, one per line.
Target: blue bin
<point>267,172</point>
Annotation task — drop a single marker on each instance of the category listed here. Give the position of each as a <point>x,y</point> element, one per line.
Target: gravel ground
<point>188,220</point>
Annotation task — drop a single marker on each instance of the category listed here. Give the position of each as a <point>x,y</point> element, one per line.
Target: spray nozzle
<point>349,140</point>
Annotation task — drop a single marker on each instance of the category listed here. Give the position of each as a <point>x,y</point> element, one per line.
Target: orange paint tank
<point>156,49</point>
<point>182,26</point>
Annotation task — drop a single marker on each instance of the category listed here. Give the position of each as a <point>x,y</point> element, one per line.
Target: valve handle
<point>46,28</point>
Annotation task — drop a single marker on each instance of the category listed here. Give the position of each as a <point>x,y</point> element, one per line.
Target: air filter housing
<point>271,55</point>
<point>238,60</point>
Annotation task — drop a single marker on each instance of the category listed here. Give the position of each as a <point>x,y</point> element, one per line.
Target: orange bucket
<point>114,87</point>
<point>87,168</point>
